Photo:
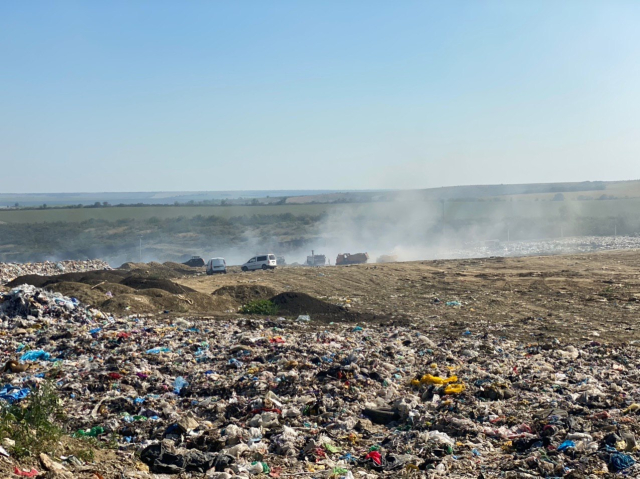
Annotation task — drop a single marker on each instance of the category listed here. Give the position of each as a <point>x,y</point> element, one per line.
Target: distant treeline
<point>454,193</point>
<point>356,198</point>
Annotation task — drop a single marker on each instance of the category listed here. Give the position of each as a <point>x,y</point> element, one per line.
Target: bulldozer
<point>348,258</point>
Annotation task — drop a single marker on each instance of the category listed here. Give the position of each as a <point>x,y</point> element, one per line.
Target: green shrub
<point>263,306</point>
<point>34,422</point>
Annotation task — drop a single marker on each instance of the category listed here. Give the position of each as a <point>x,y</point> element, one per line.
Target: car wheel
<point>265,267</point>
<point>245,269</point>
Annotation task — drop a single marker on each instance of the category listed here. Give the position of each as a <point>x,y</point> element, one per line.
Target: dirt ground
<point>581,297</point>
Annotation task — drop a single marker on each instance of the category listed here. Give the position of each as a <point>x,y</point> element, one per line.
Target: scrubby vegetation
<point>261,306</point>
<point>291,229</point>
<point>107,239</point>
<point>35,423</point>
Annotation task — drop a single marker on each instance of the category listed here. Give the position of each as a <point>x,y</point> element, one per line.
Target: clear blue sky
<point>210,95</point>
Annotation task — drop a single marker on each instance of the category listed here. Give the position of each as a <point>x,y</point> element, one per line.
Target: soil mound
<point>155,300</point>
<point>130,266</point>
<point>154,293</point>
<point>155,270</point>
<point>206,303</point>
<point>136,289</point>
<point>184,269</point>
<point>164,301</point>
<point>244,293</point>
<point>87,277</point>
<point>32,279</point>
<point>129,304</point>
<point>141,282</point>
<point>114,288</point>
<point>82,292</point>
<point>293,303</point>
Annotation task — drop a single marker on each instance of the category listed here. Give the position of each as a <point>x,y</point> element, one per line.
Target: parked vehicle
<point>195,262</point>
<point>280,261</point>
<point>348,258</point>
<point>263,261</point>
<point>216,265</point>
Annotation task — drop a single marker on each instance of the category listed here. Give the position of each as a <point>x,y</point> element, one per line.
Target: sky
<point>206,95</point>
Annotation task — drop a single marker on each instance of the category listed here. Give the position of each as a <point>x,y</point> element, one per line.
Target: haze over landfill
<point>337,240</point>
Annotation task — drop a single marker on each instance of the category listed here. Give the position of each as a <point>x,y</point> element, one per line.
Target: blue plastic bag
<point>619,461</point>
<point>158,350</point>
<point>12,394</point>
<point>566,445</point>
<point>36,355</point>
<point>178,384</point>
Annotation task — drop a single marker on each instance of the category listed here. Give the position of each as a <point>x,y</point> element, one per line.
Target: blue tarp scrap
<point>12,394</point>
<point>619,461</point>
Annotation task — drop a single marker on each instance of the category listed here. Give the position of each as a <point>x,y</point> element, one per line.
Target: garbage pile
<point>130,289</point>
<point>280,397</point>
<point>10,271</point>
<point>572,245</point>
<point>29,306</point>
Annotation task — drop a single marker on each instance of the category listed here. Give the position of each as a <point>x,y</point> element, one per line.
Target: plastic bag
<point>36,355</point>
<point>178,384</point>
<point>429,379</point>
<point>158,350</point>
<point>454,389</point>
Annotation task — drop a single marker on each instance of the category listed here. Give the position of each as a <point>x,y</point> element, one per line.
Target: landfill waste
<point>11,393</point>
<point>33,472</point>
<point>570,245</point>
<point>10,271</point>
<point>36,355</point>
<point>130,289</point>
<point>277,397</point>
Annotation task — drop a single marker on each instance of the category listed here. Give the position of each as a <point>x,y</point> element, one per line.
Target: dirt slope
<point>588,296</point>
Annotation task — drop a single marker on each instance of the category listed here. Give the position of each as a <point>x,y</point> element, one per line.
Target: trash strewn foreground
<point>10,271</point>
<point>281,397</point>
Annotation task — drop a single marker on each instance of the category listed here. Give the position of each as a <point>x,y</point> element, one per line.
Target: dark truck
<point>195,262</point>
<point>348,258</point>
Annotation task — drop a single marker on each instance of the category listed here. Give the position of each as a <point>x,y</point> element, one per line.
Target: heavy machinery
<point>316,260</point>
<point>348,258</point>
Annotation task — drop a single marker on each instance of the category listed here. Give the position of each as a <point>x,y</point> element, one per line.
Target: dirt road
<point>536,299</point>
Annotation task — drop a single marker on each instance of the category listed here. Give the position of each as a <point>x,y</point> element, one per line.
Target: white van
<point>263,261</point>
<point>216,265</point>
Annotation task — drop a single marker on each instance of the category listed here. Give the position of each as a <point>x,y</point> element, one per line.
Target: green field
<point>175,232</point>
<point>162,212</point>
<point>453,210</point>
